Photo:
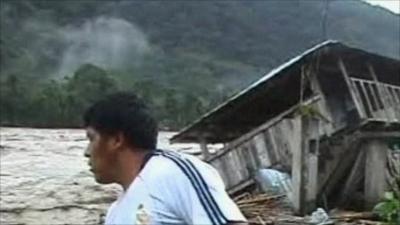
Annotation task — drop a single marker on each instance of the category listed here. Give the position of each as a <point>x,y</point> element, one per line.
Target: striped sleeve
<point>199,194</point>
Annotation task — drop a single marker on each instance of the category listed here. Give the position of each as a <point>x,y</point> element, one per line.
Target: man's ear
<point>116,141</point>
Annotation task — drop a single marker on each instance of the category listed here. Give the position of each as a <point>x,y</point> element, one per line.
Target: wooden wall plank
<point>262,152</point>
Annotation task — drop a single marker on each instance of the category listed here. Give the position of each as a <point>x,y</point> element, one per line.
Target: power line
<point>325,20</point>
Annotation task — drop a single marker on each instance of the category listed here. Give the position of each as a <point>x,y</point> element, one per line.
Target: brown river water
<point>44,178</point>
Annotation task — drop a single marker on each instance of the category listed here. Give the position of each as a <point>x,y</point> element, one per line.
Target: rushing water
<point>44,178</point>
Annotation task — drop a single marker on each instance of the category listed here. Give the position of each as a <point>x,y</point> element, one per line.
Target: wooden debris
<point>354,216</point>
<point>370,222</point>
<point>264,209</point>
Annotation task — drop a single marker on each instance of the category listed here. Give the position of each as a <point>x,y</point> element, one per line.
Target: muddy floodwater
<point>44,178</point>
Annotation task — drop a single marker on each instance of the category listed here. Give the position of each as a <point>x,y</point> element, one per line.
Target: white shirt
<point>175,188</point>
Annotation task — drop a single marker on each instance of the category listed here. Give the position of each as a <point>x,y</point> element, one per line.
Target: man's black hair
<point>124,112</point>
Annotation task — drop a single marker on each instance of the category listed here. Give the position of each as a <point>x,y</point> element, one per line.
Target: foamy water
<point>45,178</point>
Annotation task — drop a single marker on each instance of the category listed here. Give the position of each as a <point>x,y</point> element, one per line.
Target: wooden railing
<point>379,101</point>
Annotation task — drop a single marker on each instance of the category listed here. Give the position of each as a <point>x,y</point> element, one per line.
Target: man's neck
<point>130,166</point>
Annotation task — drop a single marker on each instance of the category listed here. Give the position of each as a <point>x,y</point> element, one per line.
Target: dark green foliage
<point>389,208</point>
<point>201,52</point>
<point>53,103</point>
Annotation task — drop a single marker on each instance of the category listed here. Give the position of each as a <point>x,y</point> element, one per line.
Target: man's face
<point>102,157</point>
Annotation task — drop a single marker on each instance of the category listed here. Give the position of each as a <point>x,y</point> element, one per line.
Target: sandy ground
<point>44,178</point>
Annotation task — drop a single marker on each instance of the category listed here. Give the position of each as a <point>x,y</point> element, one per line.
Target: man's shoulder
<point>166,164</point>
<point>163,165</point>
<point>164,176</point>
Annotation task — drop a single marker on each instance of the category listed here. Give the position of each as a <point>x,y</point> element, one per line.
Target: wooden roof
<point>272,94</point>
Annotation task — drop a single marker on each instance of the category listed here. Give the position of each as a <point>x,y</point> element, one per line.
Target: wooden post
<point>204,149</point>
<point>356,99</point>
<point>311,186</point>
<point>375,167</point>
<point>305,164</point>
<point>300,167</point>
<point>297,167</point>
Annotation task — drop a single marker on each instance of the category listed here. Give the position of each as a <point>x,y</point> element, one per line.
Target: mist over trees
<point>183,57</point>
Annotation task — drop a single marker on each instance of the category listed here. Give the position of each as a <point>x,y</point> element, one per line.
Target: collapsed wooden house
<point>329,117</point>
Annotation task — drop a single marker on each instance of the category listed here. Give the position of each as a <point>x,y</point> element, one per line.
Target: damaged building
<point>330,118</point>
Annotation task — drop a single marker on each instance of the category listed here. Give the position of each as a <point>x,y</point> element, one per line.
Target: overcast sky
<point>392,5</point>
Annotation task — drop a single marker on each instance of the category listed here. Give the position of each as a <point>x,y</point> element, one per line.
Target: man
<point>160,187</point>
